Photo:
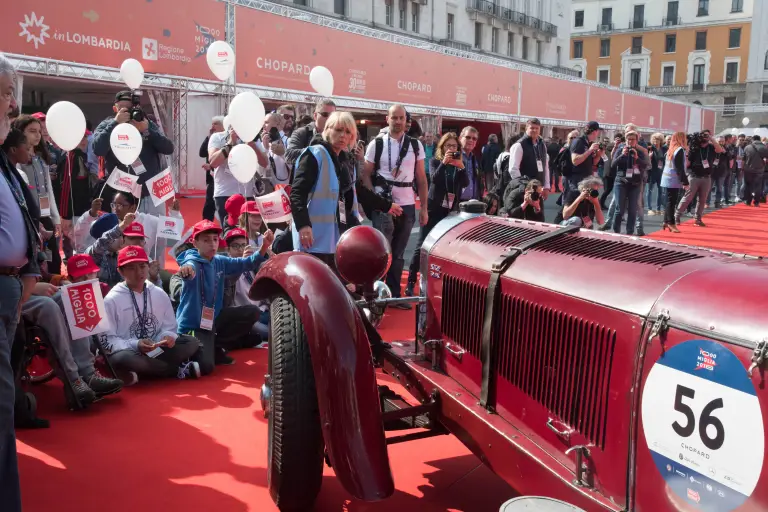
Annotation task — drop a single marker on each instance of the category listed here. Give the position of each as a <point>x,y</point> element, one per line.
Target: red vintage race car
<point>609,372</point>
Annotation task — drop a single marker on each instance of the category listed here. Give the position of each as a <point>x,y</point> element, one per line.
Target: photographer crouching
<point>581,206</point>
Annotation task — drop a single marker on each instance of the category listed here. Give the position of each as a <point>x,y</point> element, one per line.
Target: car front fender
<point>345,378</point>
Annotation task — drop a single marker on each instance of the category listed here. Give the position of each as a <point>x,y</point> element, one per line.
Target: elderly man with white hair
<point>19,273</point>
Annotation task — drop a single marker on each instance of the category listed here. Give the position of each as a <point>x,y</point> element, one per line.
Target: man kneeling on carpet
<point>143,336</point>
<point>202,292</point>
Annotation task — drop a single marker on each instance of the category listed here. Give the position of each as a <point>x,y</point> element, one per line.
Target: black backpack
<point>501,175</point>
<point>379,141</point>
<point>563,163</point>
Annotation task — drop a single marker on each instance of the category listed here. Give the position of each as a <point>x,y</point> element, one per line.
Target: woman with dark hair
<point>491,201</point>
<point>38,178</point>
<point>448,178</point>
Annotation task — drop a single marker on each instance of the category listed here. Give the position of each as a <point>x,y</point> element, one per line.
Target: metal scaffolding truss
<point>383,35</point>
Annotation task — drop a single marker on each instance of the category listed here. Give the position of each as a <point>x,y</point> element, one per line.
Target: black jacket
<point>305,178</point>
<point>31,215</point>
<point>204,154</point>
<point>299,140</point>
<point>440,177</point>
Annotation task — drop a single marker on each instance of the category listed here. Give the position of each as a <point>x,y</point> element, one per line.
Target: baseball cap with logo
<point>134,230</point>
<point>204,226</point>
<point>40,116</point>
<point>235,233</point>
<point>593,126</point>
<point>123,96</point>
<point>131,254</point>
<point>249,207</point>
<point>80,265</point>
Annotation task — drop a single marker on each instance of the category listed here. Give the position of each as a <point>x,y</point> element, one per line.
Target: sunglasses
<point>287,116</point>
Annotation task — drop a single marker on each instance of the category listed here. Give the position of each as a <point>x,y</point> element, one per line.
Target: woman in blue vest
<point>323,196</point>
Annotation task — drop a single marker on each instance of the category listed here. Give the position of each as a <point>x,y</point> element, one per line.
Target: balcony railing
<point>491,9</point>
<point>718,88</point>
<point>457,45</point>
<point>605,27</point>
<point>637,24</point>
<point>671,22</point>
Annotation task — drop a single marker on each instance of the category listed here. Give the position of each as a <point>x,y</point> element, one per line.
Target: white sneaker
<point>189,370</point>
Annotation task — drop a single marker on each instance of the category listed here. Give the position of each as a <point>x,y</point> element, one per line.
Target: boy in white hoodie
<point>143,335</point>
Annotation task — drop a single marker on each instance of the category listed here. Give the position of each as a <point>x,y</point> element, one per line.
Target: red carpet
<point>201,445</point>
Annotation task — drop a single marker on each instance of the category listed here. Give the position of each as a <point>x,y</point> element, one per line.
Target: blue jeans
<point>718,189</point>
<point>10,297</point>
<point>649,196</point>
<point>627,199</point>
<point>397,231</point>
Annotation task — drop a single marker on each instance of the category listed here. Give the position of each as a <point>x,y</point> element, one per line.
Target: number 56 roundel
<point>703,425</point>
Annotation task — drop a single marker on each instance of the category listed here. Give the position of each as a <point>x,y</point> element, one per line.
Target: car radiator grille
<point>561,361</point>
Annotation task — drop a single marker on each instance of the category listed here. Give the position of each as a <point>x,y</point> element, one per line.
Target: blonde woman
<point>322,184</point>
<point>658,158</point>
<point>673,178</point>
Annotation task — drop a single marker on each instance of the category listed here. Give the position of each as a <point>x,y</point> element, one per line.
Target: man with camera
<point>393,161</point>
<point>225,184</point>
<point>703,155</point>
<point>586,151</point>
<point>628,167</point>
<point>128,109</point>
<point>526,200</point>
<point>581,206</point>
<point>271,149</point>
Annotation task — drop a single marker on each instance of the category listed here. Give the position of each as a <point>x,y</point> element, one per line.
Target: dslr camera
<point>601,146</point>
<point>137,114</point>
<point>695,139</point>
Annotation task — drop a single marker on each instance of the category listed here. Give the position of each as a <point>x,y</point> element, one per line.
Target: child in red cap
<point>143,335</point>
<point>202,293</point>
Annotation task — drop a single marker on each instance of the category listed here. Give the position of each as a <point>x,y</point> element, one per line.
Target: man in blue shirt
<point>19,272</point>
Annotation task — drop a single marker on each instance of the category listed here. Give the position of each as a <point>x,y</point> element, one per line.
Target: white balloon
<point>226,123</point>
<point>242,163</point>
<point>66,124</point>
<point>745,121</point>
<point>126,143</point>
<point>221,59</point>
<point>246,115</point>
<point>132,73</point>
<point>321,80</point>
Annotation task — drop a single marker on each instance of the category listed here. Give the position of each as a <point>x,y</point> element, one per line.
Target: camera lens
<point>594,193</point>
<point>535,195</point>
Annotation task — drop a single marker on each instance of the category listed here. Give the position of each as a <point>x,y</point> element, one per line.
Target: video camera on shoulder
<point>137,114</point>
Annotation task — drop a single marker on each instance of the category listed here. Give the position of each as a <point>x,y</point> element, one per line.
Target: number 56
<point>705,420</point>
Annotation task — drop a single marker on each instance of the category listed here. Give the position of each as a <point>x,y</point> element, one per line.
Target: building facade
<point>693,50</point>
<point>532,32</point>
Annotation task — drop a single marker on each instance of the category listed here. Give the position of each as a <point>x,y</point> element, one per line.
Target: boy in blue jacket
<point>202,292</point>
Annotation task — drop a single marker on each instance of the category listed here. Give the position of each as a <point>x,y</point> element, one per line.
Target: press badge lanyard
<point>142,318</point>
<point>42,199</point>
<point>15,187</point>
<point>704,159</point>
<point>539,161</point>
<point>450,192</point>
<point>206,317</point>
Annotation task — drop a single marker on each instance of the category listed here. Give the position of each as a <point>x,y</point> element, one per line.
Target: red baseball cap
<point>40,116</point>
<point>204,226</point>
<point>134,230</point>
<point>250,207</point>
<point>131,254</point>
<point>232,207</point>
<point>81,264</point>
<point>235,233</point>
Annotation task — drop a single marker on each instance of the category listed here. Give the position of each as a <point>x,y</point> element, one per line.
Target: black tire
<point>296,449</point>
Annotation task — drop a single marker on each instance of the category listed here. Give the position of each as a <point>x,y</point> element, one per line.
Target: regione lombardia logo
<point>34,29</point>
<point>149,49</point>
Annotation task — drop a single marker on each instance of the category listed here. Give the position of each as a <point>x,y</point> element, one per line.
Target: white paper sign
<point>84,307</point>
<point>275,207</point>
<point>122,181</point>
<point>160,187</point>
<point>170,228</point>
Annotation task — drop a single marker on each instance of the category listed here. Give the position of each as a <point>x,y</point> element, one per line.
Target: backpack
<point>502,177</point>
<point>563,163</point>
<point>379,141</point>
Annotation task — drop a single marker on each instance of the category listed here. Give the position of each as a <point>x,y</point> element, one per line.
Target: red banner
<point>273,51</point>
<point>166,36</point>
<point>553,98</point>
<point>674,117</point>
<point>604,105</point>
<point>641,111</point>
<point>708,120</point>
